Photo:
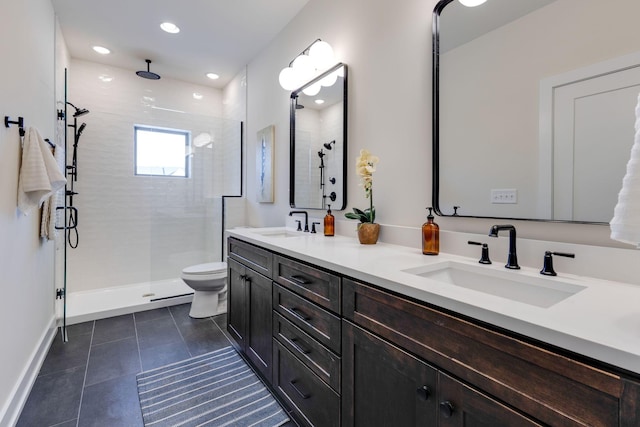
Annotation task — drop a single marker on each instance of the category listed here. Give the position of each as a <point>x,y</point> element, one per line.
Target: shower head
<point>79,131</point>
<point>148,74</point>
<point>79,111</point>
<point>328,144</point>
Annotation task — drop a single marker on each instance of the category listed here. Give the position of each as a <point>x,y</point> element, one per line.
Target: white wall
<point>387,46</point>
<point>27,88</point>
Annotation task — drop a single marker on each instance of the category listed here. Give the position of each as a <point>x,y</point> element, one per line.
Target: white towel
<point>39,176</point>
<point>625,225</point>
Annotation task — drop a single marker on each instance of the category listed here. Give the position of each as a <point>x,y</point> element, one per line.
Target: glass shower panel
<point>186,212</point>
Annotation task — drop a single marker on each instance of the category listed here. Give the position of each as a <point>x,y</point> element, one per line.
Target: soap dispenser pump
<point>329,223</point>
<point>430,236</point>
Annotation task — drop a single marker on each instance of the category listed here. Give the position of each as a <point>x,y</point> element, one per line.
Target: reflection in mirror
<point>319,142</point>
<point>533,107</point>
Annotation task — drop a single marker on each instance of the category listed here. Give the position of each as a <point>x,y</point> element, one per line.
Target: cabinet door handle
<point>446,409</point>
<point>294,343</point>
<point>424,392</point>
<point>299,314</point>
<point>300,392</point>
<point>300,279</point>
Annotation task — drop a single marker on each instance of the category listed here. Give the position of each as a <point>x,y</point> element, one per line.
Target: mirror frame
<point>292,137</point>
<point>435,130</point>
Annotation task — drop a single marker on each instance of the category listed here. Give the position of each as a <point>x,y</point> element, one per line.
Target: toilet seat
<point>215,270</point>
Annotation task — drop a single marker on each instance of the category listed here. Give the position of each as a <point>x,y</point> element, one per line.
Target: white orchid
<point>365,167</point>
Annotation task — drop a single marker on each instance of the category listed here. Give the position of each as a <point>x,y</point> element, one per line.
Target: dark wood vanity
<point>339,351</point>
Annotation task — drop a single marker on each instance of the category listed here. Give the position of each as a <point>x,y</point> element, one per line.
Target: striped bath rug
<point>215,389</point>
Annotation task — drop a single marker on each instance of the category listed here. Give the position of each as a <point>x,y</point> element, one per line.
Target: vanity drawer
<point>322,361</point>
<point>317,285</point>
<point>315,321</point>
<point>254,257</point>
<point>549,386</point>
<point>313,400</point>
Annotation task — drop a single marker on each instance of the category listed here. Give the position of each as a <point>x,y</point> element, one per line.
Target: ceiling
<point>219,36</point>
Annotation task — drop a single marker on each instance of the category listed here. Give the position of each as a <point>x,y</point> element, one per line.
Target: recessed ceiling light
<point>101,50</point>
<point>213,76</point>
<point>170,27</point>
<point>105,78</point>
<point>197,95</point>
<point>319,101</point>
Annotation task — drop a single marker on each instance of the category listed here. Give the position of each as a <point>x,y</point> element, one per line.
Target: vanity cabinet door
<point>462,406</point>
<point>259,318</point>
<point>236,300</point>
<point>383,385</point>
<point>249,314</point>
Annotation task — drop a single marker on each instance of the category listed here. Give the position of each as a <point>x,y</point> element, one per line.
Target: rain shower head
<point>79,111</point>
<point>328,144</point>
<point>148,74</point>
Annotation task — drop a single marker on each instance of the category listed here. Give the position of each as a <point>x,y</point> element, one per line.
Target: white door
<point>593,132</point>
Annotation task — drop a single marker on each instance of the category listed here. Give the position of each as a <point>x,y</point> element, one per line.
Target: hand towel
<point>39,173</point>
<point>625,225</point>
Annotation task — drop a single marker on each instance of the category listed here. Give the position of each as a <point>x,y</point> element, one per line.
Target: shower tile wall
<point>133,229</point>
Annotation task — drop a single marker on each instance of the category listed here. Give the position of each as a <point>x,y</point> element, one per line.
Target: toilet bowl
<point>209,283</point>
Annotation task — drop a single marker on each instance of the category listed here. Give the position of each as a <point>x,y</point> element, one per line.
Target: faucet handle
<point>313,227</point>
<point>547,268</point>
<point>484,258</point>
<point>299,225</point>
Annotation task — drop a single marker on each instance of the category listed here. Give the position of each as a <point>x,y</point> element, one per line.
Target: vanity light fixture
<point>312,61</point>
<point>213,76</point>
<point>472,3</point>
<point>101,50</point>
<point>170,27</point>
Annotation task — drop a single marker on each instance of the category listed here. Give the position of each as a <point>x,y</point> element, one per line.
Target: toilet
<point>209,282</point>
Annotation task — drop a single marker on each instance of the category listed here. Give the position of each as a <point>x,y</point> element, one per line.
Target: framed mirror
<point>533,107</point>
<point>318,138</point>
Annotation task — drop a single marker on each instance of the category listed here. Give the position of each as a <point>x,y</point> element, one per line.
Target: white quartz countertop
<point>601,321</point>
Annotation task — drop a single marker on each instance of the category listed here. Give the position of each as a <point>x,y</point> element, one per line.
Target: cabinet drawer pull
<point>301,393</point>
<point>294,343</point>
<point>300,279</point>
<point>299,314</point>
<point>446,409</point>
<point>424,392</point>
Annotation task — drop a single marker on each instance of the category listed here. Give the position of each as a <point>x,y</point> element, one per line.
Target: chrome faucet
<point>512,259</point>
<point>306,218</point>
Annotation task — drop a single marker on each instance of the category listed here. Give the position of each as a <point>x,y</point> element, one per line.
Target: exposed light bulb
<point>287,78</point>
<point>312,90</point>
<point>321,53</point>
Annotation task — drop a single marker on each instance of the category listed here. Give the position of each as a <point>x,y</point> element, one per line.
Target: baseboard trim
<point>12,409</point>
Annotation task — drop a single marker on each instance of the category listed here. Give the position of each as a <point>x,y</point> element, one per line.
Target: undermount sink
<point>539,291</point>
<point>278,232</point>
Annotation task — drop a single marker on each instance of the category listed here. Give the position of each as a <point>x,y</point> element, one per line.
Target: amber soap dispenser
<point>430,236</point>
<point>329,223</point>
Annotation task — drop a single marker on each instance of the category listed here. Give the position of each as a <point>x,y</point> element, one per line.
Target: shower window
<point>161,151</point>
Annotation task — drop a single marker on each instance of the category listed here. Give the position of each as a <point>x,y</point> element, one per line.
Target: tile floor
<point>91,379</point>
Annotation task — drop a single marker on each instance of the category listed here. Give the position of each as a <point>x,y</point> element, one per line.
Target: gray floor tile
<point>204,341</point>
<point>162,355</point>
<point>113,329</point>
<point>54,398</point>
<point>66,355</point>
<point>112,360</point>
<point>158,313</point>
<point>79,329</point>
<point>70,423</point>
<point>111,403</point>
<point>157,332</point>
